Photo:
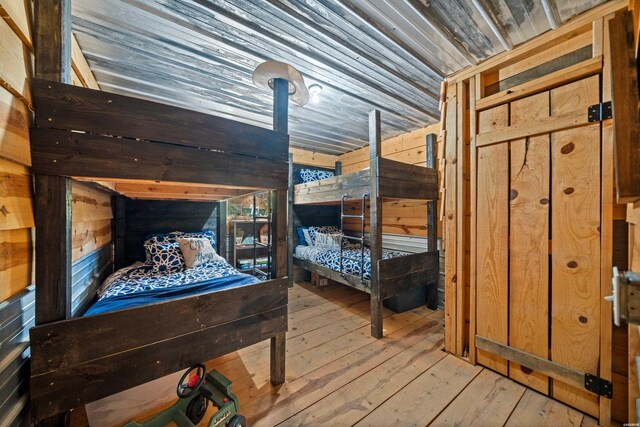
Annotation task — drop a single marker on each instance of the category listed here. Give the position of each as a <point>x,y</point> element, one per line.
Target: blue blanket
<point>138,291</point>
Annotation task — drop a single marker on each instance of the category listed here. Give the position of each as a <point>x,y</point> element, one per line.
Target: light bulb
<point>314,91</point>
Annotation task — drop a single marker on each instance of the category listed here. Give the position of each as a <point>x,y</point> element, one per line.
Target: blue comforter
<point>137,285</point>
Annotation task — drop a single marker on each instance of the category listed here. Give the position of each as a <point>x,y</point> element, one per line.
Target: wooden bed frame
<point>385,180</point>
<point>87,134</point>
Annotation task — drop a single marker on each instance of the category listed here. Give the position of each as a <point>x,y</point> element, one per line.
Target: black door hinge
<point>598,386</point>
<point>599,112</point>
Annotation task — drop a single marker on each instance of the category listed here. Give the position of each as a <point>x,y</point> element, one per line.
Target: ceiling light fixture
<point>314,91</point>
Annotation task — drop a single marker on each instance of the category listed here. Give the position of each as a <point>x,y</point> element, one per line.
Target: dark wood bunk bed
<point>384,180</point>
<point>91,135</point>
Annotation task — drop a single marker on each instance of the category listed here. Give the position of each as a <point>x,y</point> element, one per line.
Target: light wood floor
<point>337,375</point>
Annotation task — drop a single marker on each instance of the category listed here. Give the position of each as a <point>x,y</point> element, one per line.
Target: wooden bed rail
<point>397,180</point>
<point>87,133</point>
<point>405,273</point>
<point>81,360</point>
<point>63,106</point>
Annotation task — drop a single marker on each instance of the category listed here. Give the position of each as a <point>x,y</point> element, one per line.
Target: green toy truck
<point>195,392</point>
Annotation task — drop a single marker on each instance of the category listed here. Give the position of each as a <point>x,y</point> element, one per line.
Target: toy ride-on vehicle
<point>195,392</point>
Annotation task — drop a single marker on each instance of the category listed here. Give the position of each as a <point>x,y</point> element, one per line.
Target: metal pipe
<point>495,27</point>
<point>551,10</point>
<point>342,199</point>
<point>365,196</point>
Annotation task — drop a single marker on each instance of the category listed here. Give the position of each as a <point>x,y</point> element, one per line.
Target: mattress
<point>139,284</point>
<point>331,258</point>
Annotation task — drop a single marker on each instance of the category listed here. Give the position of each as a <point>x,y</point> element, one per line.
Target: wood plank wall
<point>91,210</point>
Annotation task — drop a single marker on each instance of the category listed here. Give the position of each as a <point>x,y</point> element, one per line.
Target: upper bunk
<point>144,149</point>
<point>392,180</point>
<point>395,180</point>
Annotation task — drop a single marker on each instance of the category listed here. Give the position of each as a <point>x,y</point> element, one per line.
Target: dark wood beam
<point>375,213</point>
<point>290,224</point>
<point>76,108</point>
<point>432,225</point>
<point>432,244</point>
<point>52,31</point>
<point>60,152</point>
<point>279,218</point>
<point>53,248</point>
<point>52,43</point>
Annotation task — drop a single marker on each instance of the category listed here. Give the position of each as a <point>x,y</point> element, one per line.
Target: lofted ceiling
<point>386,54</point>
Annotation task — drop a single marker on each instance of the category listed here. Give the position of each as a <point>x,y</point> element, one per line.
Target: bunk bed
<point>380,273</point>
<point>96,136</point>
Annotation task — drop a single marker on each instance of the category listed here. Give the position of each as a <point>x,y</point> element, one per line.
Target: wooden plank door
<point>537,239</point>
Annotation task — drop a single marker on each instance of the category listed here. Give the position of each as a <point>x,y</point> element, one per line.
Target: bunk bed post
<point>52,34</point>
<point>280,124</point>
<point>432,206</point>
<point>221,229</point>
<point>338,170</point>
<point>375,213</point>
<point>290,224</point>
<point>53,249</point>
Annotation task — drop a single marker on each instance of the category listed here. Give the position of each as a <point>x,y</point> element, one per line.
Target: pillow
<point>301,238</point>
<point>307,237</point>
<point>324,229</point>
<point>198,251</point>
<point>165,238</point>
<point>310,175</point>
<point>165,257</point>
<point>328,241</point>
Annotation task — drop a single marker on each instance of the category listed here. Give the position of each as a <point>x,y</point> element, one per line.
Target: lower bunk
<point>153,319</point>
<point>398,273</point>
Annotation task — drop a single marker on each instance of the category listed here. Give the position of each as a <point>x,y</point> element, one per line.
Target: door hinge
<point>599,386</point>
<point>599,112</point>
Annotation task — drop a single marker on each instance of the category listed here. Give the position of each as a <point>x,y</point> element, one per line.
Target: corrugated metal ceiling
<point>385,54</point>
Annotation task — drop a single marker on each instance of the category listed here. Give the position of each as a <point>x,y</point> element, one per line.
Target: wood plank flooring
<point>337,375</point>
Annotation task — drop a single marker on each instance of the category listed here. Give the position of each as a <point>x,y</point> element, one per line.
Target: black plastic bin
<point>414,299</point>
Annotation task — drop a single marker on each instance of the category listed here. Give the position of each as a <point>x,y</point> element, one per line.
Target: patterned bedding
<point>139,284</point>
<point>331,259</point>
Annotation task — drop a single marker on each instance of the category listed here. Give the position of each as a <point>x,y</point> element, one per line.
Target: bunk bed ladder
<point>257,243</point>
<point>360,239</point>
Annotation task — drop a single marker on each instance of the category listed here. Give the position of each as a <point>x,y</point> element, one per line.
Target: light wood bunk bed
<point>384,180</point>
<point>91,135</point>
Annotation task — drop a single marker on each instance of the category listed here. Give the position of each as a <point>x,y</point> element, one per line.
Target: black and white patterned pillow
<point>310,175</point>
<point>167,238</point>
<point>323,229</point>
<point>165,257</point>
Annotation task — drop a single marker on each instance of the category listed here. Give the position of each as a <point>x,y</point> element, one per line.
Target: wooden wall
<point>91,211</point>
